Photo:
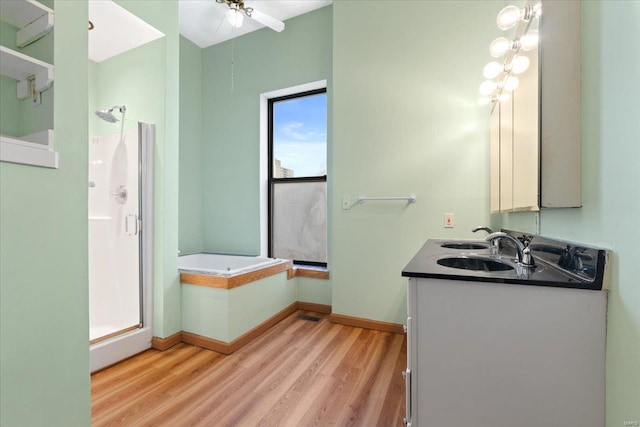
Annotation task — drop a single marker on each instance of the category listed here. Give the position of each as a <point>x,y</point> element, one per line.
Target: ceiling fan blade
<point>267,20</point>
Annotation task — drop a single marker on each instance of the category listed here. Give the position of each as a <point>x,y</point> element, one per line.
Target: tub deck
<point>230,282</point>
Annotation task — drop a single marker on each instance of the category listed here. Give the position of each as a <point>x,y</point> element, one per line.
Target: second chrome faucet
<point>523,252</point>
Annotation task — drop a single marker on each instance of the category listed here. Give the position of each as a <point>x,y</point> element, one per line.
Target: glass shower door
<point>114,235</point>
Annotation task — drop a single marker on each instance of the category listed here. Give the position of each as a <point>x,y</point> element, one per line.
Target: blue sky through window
<point>300,134</point>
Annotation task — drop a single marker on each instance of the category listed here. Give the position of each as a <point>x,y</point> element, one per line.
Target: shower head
<point>107,115</point>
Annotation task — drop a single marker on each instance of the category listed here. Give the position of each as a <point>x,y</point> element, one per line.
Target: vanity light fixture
<point>520,64</point>
<point>510,83</point>
<point>525,39</point>
<point>492,70</point>
<point>529,40</point>
<point>509,16</point>
<point>499,47</point>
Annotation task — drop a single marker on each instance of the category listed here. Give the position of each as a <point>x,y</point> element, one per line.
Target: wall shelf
<point>20,67</point>
<point>33,76</point>
<point>35,149</point>
<point>20,13</point>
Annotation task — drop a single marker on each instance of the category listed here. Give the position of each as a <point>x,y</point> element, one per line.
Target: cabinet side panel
<point>561,78</point>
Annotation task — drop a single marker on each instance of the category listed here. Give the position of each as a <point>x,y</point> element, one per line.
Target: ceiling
<point>202,21</point>
<point>117,30</point>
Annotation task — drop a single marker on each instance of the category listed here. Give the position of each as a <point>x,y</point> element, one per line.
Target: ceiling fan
<point>237,7</point>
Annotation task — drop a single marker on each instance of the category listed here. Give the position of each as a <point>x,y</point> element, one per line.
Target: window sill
<point>321,273</point>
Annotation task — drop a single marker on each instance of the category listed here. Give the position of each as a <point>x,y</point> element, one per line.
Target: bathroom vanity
<point>492,344</point>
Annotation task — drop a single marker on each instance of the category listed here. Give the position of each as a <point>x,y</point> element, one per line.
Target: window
<point>298,177</point>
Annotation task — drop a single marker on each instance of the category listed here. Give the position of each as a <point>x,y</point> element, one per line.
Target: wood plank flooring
<point>299,373</point>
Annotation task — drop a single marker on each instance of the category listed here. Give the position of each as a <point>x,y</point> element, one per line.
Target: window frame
<point>271,181</point>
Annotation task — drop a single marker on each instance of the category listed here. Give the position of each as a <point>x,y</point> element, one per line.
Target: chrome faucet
<point>495,245</point>
<point>523,253</point>
<point>487,229</point>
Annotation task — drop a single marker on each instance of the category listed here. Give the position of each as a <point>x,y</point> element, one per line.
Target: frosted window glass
<point>299,221</point>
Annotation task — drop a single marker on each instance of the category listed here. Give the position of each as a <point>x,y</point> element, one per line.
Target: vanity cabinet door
<point>526,137</point>
<point>495,159</point>
<point>506,155</point>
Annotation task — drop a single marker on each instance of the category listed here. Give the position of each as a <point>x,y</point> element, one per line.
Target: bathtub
<point>223,265</point>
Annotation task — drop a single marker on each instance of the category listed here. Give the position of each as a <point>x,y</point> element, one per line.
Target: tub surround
<point>208,298</point>
<point>224,310</point>
<point>222,282</point>
<point>242,340</point>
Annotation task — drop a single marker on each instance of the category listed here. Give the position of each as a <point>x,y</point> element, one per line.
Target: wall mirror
<point>534,88</point>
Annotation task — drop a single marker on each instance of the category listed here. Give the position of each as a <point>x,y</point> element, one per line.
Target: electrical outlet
<point>448,220</point>
<point>346,202</point>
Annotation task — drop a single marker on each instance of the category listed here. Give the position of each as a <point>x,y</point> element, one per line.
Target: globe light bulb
<point>508,17</point>
<point>488,87</point>
<point>511,83</point>
<point>520,64</point>
<point>499,47</point>
<point>529,41</point>
<point>234,17</point>
<point>504,97</point>
<point>492,70</point>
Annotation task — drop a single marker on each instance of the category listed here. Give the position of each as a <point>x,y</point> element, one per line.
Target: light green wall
<point>163,14</point>
<point>264,61</point>
<point>219,164</point>
<point>44,321</point>
<point>406,121</point>
<point>610,196</point>
<point>121,79</point>
<point>191,148</point>
<point>313,290</point>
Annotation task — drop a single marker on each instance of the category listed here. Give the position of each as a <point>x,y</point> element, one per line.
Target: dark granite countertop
<point>558,263</point>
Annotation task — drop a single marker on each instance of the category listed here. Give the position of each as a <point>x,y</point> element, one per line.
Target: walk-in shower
<point>120,270</point>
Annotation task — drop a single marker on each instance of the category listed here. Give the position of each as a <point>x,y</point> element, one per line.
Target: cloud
<point>300,131</point>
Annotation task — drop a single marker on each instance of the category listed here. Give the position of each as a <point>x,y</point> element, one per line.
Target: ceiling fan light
<point>234,17</point>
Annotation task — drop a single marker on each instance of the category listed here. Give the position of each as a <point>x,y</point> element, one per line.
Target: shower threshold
<point>114,334</point>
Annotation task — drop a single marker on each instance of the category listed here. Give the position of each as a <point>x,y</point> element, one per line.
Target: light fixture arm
<point>237,5</point>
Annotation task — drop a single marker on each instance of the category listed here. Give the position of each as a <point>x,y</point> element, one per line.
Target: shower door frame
<point>113,350</point>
